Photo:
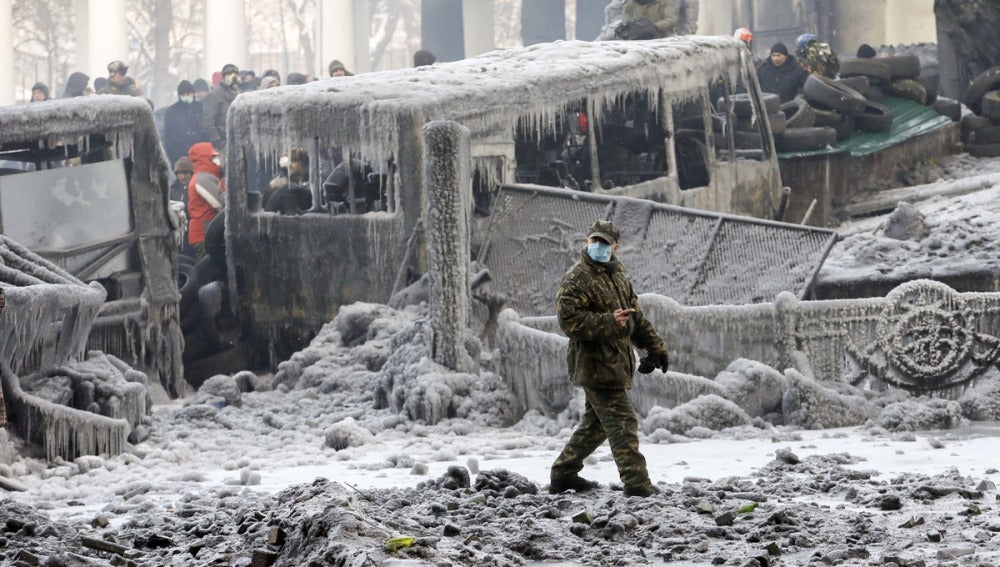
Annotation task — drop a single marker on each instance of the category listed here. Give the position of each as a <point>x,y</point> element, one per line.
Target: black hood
<point>75,84</point>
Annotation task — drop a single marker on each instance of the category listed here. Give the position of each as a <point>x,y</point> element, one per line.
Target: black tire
<point>931,85</point>
<point>186,259</point>
<point>907,88</point>
<point>743,106</point>
<point>949,107</point>
<point>798,114</point>
<point>747,140</point>
<point>987,81</point>
<point>805,139</point>
<point>826,117</point>
<point>845,129</point>
<point>987,135</point>
<point>902,66</point>
<point>983,150</point>
<point>876,118</point>
<point>991,105</point>
<point>875,93</point>
<point>225,362</point>
<point>871,68</point>
<point>185,273</point>
<point>778,123</point>
<point>976,122</point>
<point>859,83</point>
<point>830,94</point>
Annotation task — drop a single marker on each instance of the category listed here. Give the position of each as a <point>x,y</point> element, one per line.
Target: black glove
<point>653,360</point>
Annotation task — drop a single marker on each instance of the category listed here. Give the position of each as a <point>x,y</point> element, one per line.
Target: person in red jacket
<point>205,193</point>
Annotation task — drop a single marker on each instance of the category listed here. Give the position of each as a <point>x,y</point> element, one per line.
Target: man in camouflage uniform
<point>661,13</point>
<point>816,57</point>
<point>599,312</point>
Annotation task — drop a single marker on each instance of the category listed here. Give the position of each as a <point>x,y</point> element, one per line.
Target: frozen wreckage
<point>83,198</point>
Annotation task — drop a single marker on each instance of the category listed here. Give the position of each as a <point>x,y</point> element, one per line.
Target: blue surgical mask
<point>599,251</point>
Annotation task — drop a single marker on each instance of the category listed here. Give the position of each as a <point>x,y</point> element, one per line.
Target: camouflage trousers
<point>608,414</point>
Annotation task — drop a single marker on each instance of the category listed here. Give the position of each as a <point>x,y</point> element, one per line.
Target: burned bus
<point>83,184</point>
<point>648,119</point>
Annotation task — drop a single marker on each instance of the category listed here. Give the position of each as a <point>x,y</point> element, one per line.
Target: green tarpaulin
<point>909,119</point>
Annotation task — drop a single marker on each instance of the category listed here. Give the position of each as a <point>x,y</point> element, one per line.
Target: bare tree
<point>44,42</point>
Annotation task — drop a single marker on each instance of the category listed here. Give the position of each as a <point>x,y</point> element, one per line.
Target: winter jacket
<point>182,128</point>
<point>785,81</point>
<point>600,354</point>
<point>76,84</point>
<point>126,88</point>
<point>205,192</point>
<point>819,59</point>
<point>213,121</point>
<point>661,12</point>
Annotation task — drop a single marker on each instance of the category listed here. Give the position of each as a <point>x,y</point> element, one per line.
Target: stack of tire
<point>981,129</point>
<point>746,135</point>
<point>831,110</point>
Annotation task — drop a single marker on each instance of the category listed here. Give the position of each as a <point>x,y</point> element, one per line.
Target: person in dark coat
<point>77,85</point>
<point>39,92</point>
<point>423,57</point>
<point>599,312</point>
<point>200,89</point>
<point>183,171</point>
<point>337,69</point>
<point>182,123</point>
<point>781,74</point>
<point>213,122</point>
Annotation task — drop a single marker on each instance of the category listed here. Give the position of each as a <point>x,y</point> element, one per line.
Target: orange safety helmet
<point>744,35</point>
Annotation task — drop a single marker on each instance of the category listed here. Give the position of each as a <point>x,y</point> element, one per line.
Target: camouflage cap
<point>605,231</point>
<point>117,67</point>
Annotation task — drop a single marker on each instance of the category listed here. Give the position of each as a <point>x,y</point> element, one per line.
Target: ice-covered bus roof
<point>74,116</point>
<point>485,93</point>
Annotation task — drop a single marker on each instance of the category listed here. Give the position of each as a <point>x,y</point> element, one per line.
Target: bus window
<point>631,144</point>
<point>690,137</point>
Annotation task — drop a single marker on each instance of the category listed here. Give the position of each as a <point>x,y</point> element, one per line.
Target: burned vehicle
<point>618,118</point>
<point>83,184</point>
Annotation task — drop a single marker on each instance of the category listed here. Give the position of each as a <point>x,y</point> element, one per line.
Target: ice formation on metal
<point>924,338</point>
<point>695,257</point>
<point>448,211</point>
<point>45,325</point>
<point>488,94</point>
<point>146,331</point>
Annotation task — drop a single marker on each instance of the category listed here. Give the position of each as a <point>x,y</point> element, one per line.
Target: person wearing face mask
<point>206,193</point>
<point>182,123</point>
<point>217,105</point>
<point>599,312</point>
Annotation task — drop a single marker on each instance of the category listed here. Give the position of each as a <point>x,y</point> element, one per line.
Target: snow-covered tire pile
<point>852,103</point>
<point>981,130</point>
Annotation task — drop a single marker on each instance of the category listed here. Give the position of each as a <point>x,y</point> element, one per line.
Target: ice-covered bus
<point>651,119</point>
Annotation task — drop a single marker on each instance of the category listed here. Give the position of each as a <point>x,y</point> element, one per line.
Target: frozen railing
<point>696,257</point>
<point>923,337</point>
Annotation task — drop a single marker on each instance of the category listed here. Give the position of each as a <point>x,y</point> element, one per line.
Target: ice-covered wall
<point>923,338</point>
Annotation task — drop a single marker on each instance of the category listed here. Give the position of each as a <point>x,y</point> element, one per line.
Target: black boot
<point>641,491</point>
<point>575,482</point>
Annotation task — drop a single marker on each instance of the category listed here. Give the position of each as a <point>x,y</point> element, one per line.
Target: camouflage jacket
<point>661,12</point>
<point>819,59</point>
<point>600,354</point>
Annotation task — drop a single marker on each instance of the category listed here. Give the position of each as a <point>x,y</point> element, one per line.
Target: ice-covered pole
<point>447,178</point>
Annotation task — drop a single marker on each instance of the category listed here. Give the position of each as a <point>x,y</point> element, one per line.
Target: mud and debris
<point>159,504</point>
